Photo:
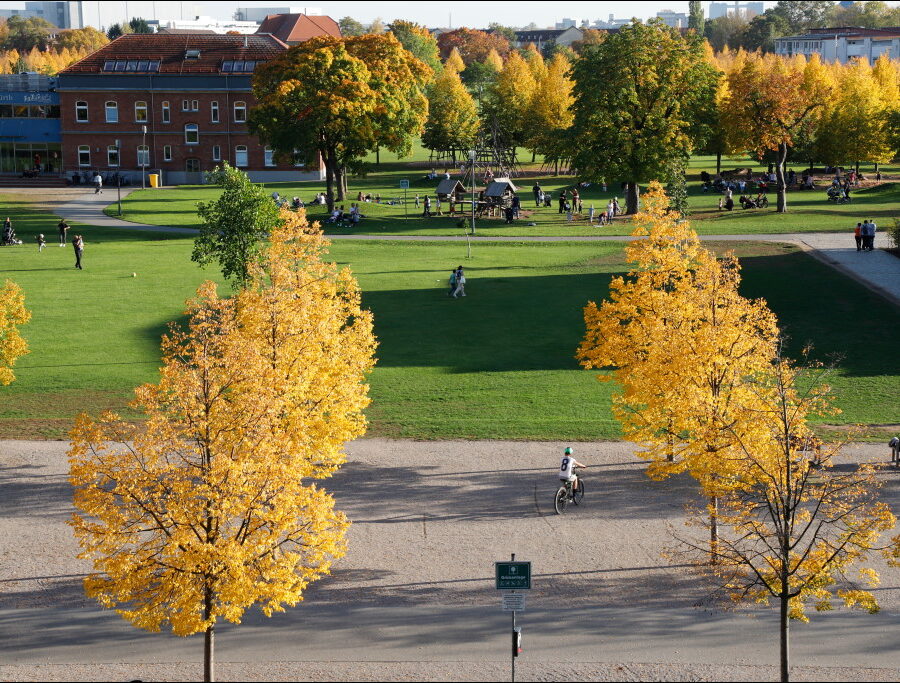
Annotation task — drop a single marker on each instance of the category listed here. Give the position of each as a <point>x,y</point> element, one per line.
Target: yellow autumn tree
<point>453,121</point>
<point>800,521</point>
<point>12,314</point>
<point>681,341</point>
<point>510,100</point>
<point>535,62</point>
<point>455,61</point>
<point>494,60</point>
<point>550,113</point>
<point>211,505</point>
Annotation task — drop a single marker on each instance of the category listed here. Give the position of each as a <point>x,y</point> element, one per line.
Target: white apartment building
<point>842,44</point>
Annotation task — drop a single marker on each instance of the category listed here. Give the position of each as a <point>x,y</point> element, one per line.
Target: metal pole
<point>405,207</point>
<point>472,159</point>
<point>144,159</point>
<point>119,192</point>
<point>512,558</point>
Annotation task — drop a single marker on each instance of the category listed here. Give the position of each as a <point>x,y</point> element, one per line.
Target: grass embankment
<point>497,364</point>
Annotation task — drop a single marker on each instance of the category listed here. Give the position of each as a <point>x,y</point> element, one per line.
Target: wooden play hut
<point>450,190</point>
<point>500,192</point>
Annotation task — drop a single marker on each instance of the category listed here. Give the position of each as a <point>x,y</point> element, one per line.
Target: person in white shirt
<point>567,467</point>
<point>98,184</point>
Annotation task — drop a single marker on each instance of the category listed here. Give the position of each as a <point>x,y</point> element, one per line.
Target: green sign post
<point>513,575</point>
<point>404,185</point>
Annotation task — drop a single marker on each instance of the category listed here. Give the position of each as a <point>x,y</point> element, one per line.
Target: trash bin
<point>154,179</point>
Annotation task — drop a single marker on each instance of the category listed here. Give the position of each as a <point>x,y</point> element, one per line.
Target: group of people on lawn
<point>864,234</point>
<point>10,239</point>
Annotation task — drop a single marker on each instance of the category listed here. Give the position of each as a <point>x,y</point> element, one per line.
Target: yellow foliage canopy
<point>12,314</point>
<point>207,508</point>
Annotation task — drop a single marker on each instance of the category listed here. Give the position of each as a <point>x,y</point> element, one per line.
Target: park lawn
<point>808,211</point>
<point>497,364</point>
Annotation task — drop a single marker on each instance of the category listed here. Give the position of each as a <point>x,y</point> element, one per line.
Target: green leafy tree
<point>25,33</point>
<point>696,18</point>
<point>726,31</point>
<point>479,78</point>
<point>637,95</point>
<point>234,225</point>
<point>351,27</point>
<point>453,121</point>
<point>872,14</point>
<point>376,26</point>
<point>117,30</point>
<point>804,14</point>
<point>507,32</point>
<point>763,29</point>
<point>139,25</point>
<point>418,41</point>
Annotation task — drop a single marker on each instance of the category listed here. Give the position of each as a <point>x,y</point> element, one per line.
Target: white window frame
<point>84,149</point>
<point>166,112</point>
<point>167,152</point>
<point>140,106</point>
<point>240,106</point>
<point>143,156</point>
<point>241,149</point>
<point>185,105</point>
<point>269,157</point>
<point>112,152</point>
<point>195,105</point>
<point>191,128</point>
<point>81,106</point>
<point>114,109</point>
<point>214,111</point>
<point>217,153</point>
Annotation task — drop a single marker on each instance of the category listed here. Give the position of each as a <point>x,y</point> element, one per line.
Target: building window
<point>112,155</point>
<point>299,159</point>
<point>140,111</point>
<point>112,112</point>
<point>240,156</point>
<point>143,155</point>
<point>192,165</point>
<point>185,105</point>
<point>217,153</point>
<point>166,113</point>
<point>269,157</point>
<point>191,134</point>
<point>195,105</point>
<point>214,111</point>
<point>167,153</point>
<point>240,111</point>
<point>84,155</point>
<point>81,111</point>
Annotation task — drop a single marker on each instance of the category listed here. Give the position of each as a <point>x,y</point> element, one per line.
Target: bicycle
<point>566,494</point>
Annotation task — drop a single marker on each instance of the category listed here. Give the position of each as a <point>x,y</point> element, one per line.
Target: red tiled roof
<point>170,50</point>
<point>296,28</point>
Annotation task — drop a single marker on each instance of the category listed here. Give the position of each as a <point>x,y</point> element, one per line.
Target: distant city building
<point>60,14</point>
<point>843,43</point>
<point>566,23</point>
<point>205,25</point>
<point>673,19</point>
<point>548,36</point>
<point>741,9</point>
<point>258,14</point>
<point>30,130</point>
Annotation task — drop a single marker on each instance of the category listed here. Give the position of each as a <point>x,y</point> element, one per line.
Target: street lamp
<point>145,158</point>
<point>472,163</point>
<point>119,175</point>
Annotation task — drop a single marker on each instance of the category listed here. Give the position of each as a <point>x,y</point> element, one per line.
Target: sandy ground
<point>429,520</point>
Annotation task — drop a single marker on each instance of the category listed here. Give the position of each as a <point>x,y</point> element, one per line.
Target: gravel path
<point>414,597</point>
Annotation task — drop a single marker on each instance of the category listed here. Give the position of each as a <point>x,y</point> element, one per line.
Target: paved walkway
<point>878,270</point>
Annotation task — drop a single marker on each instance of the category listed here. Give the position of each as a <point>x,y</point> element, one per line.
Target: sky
<point>432,14</point>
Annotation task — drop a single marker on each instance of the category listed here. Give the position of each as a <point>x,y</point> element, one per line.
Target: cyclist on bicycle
<point>567,467</point>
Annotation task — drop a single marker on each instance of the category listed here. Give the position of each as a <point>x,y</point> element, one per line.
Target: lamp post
<point>119,175</point>
<point>472,162</point>
<point>145,158</point>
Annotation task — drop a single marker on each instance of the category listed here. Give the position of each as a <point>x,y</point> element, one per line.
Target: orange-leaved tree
<point>681,341</point>
<point>211,505</point>
<point>799,521</point>
<point>12,314</point>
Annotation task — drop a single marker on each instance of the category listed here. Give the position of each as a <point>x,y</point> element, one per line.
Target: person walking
<point>562,201</point>
<point>452,282</point>
<point>78,245</point>
<point>426,207</point>
<point>857,235</point>
<point>417,201</point>
<point>460,283</point>
<point>63,228</point>
<point>516,205</point>
<point>98,183</point>
<point>871,235</point>
<point>41,242</point>
<point>536,191</point>
<point>616,211</point>
<point>610,211</point>
<point>437,206</point>
<point>894,445</point>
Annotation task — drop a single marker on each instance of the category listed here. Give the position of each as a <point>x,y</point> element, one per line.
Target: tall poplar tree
<point>636,96</point>
<point>453,121</point>
<point>696,18</point>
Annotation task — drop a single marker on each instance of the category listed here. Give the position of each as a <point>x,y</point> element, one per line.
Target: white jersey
<point>567,468</point>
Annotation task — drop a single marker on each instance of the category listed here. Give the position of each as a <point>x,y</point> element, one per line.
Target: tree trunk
<point>718,162</point>
<point>556,167</point>
<point>670,441</point>
<point>533,156</point>
<point>342,184</point>
<point>714,530</point>
<point>632,195</point>
<point>377,157</point>
<point>876,167</point>
<point>857,168</point>
<point>329,183</point>
<point>779,178</point>
<point>208,641</point>
<point>784,625</point>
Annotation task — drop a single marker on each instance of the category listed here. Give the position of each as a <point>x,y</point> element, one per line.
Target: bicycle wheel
<point>578,495</point>
<point>561,500</point>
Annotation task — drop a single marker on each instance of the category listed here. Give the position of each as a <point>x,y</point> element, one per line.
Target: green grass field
<point>497,364</point>
<point>809,211</point>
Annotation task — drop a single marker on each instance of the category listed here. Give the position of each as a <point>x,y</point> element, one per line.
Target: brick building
<point>175,104</point>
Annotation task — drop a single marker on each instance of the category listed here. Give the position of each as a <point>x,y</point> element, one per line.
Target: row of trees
<point>704,389</point>
<point>34,44</point>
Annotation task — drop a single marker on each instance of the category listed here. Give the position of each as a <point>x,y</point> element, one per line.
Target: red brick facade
<point>195,114</point>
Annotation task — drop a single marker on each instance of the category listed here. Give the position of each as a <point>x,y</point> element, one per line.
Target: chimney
<point>246,41</point>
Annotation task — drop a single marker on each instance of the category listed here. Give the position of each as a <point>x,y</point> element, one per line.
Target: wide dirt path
<point>414,597</point>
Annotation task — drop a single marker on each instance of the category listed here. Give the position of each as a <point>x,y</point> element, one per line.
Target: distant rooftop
<point>297,28</point>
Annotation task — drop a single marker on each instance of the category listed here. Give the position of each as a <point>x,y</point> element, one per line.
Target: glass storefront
<point>19,157</point>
